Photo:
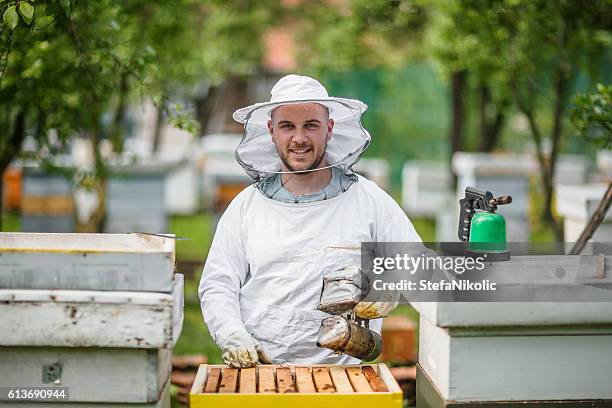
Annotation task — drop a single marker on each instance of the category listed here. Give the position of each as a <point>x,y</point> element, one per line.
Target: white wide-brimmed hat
<point>257,153</point>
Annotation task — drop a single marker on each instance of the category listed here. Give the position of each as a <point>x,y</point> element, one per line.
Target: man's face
<point>300,133</point>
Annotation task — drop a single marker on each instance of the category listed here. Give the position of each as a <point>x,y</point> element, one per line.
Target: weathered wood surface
<point>284,380</point>
<point>125,262</point>
<point>63,318</point>
<point>340,379</point>
<point>303,379</point>
<point>312,379</point>
<point>229,380</point>
<point>73,242</point>
<point>429,397</point>
<point>535,366</point>
<point>109,375</point>
<point>322,380</point>
<point>248,383</point>
<point>358,380</point>
<point>266,383</point>
<point>212,381</point>
<point>375,381</point>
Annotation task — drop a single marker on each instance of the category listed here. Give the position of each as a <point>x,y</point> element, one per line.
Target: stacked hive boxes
<point>576,204</point>
<point>136,198</point>
<point>509,354</point>
<point>47,203</point>
<point>95,314</point>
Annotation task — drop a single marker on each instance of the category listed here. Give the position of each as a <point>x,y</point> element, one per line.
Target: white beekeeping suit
<point>263,276</point>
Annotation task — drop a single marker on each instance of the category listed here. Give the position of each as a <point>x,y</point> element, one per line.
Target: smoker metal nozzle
<point>342,335</point>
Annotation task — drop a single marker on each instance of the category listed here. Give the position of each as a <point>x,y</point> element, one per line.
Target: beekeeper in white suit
<point>305,213</point>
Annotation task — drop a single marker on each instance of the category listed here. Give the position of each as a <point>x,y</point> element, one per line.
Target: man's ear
<point>330,129</point>
<point>271,129</point>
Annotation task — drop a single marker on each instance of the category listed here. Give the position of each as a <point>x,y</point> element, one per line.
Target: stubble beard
<point>315,164</point>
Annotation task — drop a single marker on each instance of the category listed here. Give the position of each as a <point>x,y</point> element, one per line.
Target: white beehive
<point>502,174</point>
<point>129,262</point>
<point>109,347</point>
<point>529,352</point>
<point>426,187</point>
<point>576,204</point>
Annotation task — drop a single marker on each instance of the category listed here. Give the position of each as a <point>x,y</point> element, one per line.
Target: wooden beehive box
<point>93,375</point>
<point>295,386</point>
<point>100,262</point>
<point>84,318</point>
<point>46,202</point>
<point>398,340</point>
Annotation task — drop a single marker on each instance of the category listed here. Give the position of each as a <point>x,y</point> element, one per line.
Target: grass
<point>11,222</point>
<point>426,227</point>
<point>198,231</point>
<point>195,338</point>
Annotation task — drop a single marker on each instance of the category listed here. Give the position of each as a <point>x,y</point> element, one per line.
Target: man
<point>306,213</point>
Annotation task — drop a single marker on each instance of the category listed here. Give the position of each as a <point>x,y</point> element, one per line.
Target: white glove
<point>375,310</point>
<point>241,350</point>
<point>377,304</point>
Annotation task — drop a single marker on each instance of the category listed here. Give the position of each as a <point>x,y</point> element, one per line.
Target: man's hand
<point>375,309</point>
<point>241,350</point>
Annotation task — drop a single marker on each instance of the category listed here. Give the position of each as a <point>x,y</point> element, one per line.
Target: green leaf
<point>51,9</point>
<point>65,6</point>
<point>10,17</point>
<point>27,11</point>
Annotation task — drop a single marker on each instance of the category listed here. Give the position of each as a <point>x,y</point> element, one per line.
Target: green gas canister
<point>481,227</point>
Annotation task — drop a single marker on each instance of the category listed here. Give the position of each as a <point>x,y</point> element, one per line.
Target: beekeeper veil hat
<point>257,153</point>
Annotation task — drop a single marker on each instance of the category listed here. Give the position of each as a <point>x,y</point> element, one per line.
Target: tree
<point>465,43</point>
<point>47,78</point>
<point>592,117</point>
<point>359,33</point>
<point>569,34</point>
<point>529,53</point>
<point>68,65</point>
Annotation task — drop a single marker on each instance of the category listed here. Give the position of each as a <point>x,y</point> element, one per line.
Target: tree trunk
<point>9,152</point>
<point>546,175</point>
<point>230,96</point>
<point>496,129</point>
<point>490,129</point>
<point>483,105</point>
<point>1,197</point>
<point>204,107</point>
<point>596,219</point>
<point>116,133</point>
<point>560,96</point>
<point>561,88</point>
<point>458,82</point>
<point>157,131</point>
<point>95,222</point>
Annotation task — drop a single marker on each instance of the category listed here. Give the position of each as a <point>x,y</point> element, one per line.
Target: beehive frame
<point>296,398</point>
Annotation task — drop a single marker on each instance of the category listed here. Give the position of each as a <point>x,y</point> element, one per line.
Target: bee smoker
<point>344,332</point>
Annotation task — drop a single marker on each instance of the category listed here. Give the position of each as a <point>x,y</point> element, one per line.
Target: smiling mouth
<point>300,152</point>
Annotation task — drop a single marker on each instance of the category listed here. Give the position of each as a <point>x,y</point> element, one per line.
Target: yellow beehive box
<point>295,386</point>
